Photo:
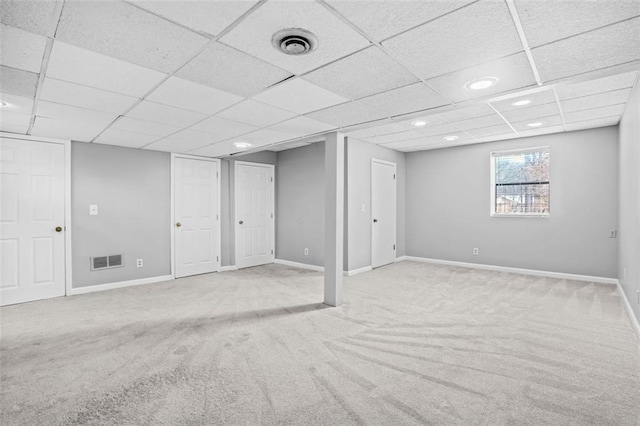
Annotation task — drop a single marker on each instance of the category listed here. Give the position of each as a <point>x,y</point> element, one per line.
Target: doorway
<point>383,213</point>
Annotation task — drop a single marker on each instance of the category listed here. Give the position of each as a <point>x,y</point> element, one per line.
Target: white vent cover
<point>294,41</point>
<point>106,262</point>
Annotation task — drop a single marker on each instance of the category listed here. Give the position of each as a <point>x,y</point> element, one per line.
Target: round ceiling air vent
<point>294,41</point>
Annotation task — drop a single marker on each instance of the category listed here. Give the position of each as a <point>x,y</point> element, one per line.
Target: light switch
<point>93,209</point>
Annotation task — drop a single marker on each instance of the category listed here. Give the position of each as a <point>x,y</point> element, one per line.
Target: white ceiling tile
<point>593,123</point>
<point>530,113</point>
<point>544,21</point>
<point>593,114</point>
<point>502,130</point>
<point>467,112</point>
<point>389,127</point>
<point>221,129</point>
<point>253,35</point>
<point>299,96</point>
<point>21,49</point>
<point>117,137</point>
<point>600,85</point>
<point>18,82</point>
<point>430,120</point>
<point>258,138</point>
<point>192,96</point>
<point>408,99</point>
<point>594,50</point>
<point>346,114</point>
<point>151,111</point>
<point>134,125</point>
<point>467,37</point>
<point>14,122</point>
<point>442,129</point>
<point>549,121</point>
<point>364,73</point>
<point>301,126</point>
<point>545,130</point>
<point>537,98</point>
<point>384,18</point>
<point>479,122</point>
<point>241,74</point>
<point>594,101</point>
<point>255,113</point>
<point>123,31</point>
<point>396,137</point>
<point>182,142</point>
<point>92,69</point>
<point>16,104</point>
<point>33,16</point>
<point>63,92</point>
<point>513,72</point>
<point>209,17</point>
<point>71,114</point>
<point>62,129</point>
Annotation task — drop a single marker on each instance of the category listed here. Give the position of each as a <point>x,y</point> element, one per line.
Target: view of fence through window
<point>521,182</point>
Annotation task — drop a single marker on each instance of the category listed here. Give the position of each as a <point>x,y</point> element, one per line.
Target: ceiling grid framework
<point>197,77</point>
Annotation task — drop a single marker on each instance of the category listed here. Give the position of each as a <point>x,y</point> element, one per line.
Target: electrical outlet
<point>306,252</point>
<point>613,233</point>
<point>139,263</point>
<point>476,251</point>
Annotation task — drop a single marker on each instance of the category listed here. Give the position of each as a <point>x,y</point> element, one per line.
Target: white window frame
<point>492,161</point>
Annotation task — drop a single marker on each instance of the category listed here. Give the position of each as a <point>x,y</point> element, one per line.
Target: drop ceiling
<point>197,76</point>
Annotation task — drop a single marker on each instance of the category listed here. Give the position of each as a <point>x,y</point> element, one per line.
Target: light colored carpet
<point>413,344</point>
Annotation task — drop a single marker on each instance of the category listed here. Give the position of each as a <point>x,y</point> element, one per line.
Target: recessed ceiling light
<point>481,83</point>
<point>536,124</point>
<point>4,104</point>
<point>242,145</point>
<point>419,123</point>
<point>450,138</point>
<point>522,102</point>
<point>294,41</point>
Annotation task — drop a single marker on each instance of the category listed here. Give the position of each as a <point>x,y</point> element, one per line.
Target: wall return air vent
<point>106,262</point>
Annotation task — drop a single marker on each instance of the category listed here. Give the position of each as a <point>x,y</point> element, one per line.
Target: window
<point>520,182</point>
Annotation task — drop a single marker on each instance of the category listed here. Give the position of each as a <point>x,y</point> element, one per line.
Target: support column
<point>333,218</point>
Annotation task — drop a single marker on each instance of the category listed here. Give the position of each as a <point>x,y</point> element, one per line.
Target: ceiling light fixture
<point>522,102</point>
<point>242,145</point>
<point>450,138</point>
<point>419,123</point>
<point>4,104</point>
<point>294,41</point>
<point>536,124</point>
<point>481,83</point>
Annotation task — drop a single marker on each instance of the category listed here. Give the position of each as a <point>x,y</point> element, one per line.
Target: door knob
<point>178,225</point>
<point>375,220</point>
<point>58,228</point>
<point>241,222</point>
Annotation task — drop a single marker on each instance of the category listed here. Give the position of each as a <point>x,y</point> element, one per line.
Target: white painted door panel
<point>32,247</point>
<point>254,214</point>
<point>383,212</point>
<point>196,214</point>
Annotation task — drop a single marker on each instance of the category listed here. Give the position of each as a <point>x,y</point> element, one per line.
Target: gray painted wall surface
<point>358,225</point>
<point>227,199</point>
<point>132,190</point>
<point>300,204</point>
<point>629,238</point>
<point>448,204</point>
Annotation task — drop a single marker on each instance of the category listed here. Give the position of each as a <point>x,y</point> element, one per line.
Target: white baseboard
<point>299,265</point>
<point>121,284</point>
<point>357,271</point>
<point>560,275</point>
<point>627,305</point>
<point>401,258</point>
<point>228,268</point>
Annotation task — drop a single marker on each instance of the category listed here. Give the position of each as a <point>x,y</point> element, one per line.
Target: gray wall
<point>227,200</point>
<point>629,242</point>
<point>358,178</point>
<point>132,190</point>
<point>300,204</point>
<point>448,203</point>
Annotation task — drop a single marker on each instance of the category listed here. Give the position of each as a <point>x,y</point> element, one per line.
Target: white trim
<point>68,264</point>
<point>228,268</point>
<point>395,203</point>
<point>627,305</point>
<point>121,284</point>
<point>299,265</point>
<point>218,211</point>
<point>358,271</point>
<point>560,275</point>
<point>401,259</point>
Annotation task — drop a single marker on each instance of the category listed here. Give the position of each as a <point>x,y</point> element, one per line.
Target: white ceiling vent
<point>294,41</point>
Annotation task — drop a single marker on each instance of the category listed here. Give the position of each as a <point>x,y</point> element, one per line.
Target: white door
<point>32,227</point>
<point>383,213</point>
<point>196,216</point>
<point>254,194</point>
